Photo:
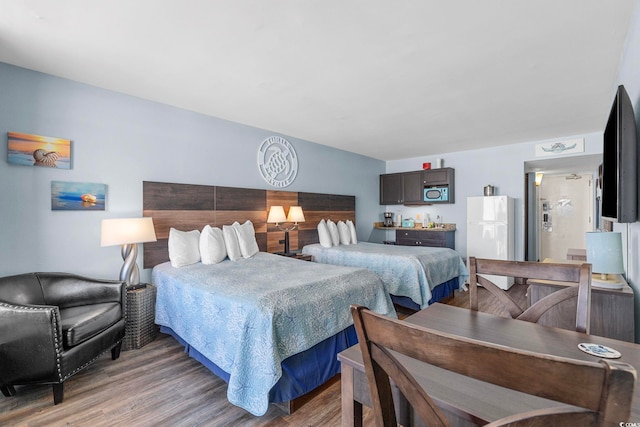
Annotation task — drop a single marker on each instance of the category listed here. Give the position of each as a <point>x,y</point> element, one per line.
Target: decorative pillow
<point>323,234</point>
<point>212,249</point>
<point>247,239</point>
<point>343,233</point>
<point>184,247</point>
<point>333,232</point>
<point>352,231</point>
<point>231,241</point>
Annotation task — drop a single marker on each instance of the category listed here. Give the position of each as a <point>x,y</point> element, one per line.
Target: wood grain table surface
<point>467,400</point>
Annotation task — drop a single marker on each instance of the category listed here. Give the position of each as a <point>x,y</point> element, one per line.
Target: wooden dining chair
<point>600,392</point>
<point>576,276</point>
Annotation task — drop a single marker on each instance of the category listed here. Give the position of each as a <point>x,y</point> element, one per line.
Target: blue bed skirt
<point>443,290</point>
<point>301,373</point>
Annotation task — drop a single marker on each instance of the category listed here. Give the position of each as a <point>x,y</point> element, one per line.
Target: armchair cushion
<point>86,321</point>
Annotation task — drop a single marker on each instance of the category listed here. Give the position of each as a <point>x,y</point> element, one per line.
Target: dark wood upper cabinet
<point>437,176</point>
<point>391,187</point>
<point>407,188</point>
<point>413,187</point>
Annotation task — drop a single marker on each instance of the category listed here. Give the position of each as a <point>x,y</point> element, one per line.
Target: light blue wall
<point>629,76</point>
<point>121,141</point>
<point>502,167</point>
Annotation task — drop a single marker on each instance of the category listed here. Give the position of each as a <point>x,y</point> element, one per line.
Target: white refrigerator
<point>490,231</point>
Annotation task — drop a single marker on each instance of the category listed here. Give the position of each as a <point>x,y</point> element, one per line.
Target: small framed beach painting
<point>78,196</point>
<point>36,150</point>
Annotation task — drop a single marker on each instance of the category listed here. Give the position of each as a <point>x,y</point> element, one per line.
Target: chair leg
<point>8,390</point>
<point>58,393</point>
<point>115,351</point>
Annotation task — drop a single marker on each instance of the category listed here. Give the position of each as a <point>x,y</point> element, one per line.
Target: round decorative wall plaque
<point>277,161</point>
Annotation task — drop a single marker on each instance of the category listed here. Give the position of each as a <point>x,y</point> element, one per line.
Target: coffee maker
<point>388,219</point>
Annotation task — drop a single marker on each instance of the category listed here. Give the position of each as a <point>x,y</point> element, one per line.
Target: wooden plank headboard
<point>190,207</point>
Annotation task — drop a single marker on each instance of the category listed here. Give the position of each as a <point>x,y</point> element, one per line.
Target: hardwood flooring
<point>160,385</point>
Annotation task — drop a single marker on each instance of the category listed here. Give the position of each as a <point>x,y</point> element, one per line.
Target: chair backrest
<point>576,276</point>
<point>600,391</point>
<point>21,289</point>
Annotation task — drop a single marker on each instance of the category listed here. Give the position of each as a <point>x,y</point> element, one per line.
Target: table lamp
<point>276,215</point>
<point>604,253</point>
<point>128,232</point>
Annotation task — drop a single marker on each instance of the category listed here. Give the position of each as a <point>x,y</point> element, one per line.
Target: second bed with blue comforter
<point>406,271</point>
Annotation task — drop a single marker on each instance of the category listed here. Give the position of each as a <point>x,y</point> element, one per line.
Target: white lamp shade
<point>295,214</point>
<point>604,252</point>
<point>276,214</point>
<point>125,231</point>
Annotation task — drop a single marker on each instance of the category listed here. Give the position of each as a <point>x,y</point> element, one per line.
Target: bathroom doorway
<point>561,207</point>
<point>566,213</point>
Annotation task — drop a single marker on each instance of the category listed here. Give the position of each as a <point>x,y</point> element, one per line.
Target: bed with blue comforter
<point>253,321</point>
<point>411,274</point>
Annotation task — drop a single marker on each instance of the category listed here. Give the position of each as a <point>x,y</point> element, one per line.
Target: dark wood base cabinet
<point>433,238</point>
<point>612,310</point>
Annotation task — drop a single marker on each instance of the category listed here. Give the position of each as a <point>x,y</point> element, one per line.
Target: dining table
<point>466,401</point>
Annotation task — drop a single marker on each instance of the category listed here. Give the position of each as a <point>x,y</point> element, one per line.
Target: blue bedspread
<point>247,316</point>
<point>407,271</point>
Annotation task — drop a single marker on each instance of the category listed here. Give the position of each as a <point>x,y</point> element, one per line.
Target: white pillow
<point>247,239</point>
<point>333,232</point>
<point>184,247</point>
<point>344,234</point>
<point>231,241</point>
<point>352,231</point>
<point>323,234</point>
<point>212,249</point>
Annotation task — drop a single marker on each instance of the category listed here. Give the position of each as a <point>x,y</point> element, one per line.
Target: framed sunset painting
<point>36,150</point>
<point>78,196</point>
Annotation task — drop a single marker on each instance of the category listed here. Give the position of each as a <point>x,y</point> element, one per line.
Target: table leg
<point>357,414</point>
<point>351,410</point>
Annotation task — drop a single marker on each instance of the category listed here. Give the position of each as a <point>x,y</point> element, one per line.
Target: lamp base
<point>287,253</point>
<point>129,272</point>
<point>610,282</point>
<point>137,286</point>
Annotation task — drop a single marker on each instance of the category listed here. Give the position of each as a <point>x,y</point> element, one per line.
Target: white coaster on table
<point>599,350</point>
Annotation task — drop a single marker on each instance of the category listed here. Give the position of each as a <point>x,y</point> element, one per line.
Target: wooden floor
<point>159,385</point>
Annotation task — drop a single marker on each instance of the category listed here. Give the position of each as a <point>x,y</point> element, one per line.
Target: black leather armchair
<point>52,325</point>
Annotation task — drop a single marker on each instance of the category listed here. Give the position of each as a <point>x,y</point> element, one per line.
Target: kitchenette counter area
<point>441,236</point>
<point>417,226</point>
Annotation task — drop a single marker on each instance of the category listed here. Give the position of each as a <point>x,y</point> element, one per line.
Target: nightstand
<point>140,328</point>
<point>301,257</point>
<point>612,310</point>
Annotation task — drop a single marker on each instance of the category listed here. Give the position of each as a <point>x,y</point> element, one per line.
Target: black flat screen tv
<point>619,162</point>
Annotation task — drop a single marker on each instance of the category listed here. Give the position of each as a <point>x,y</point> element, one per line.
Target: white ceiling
<point>387,79</point>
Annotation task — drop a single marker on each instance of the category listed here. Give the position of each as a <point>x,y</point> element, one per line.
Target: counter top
<point>417,227</point>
